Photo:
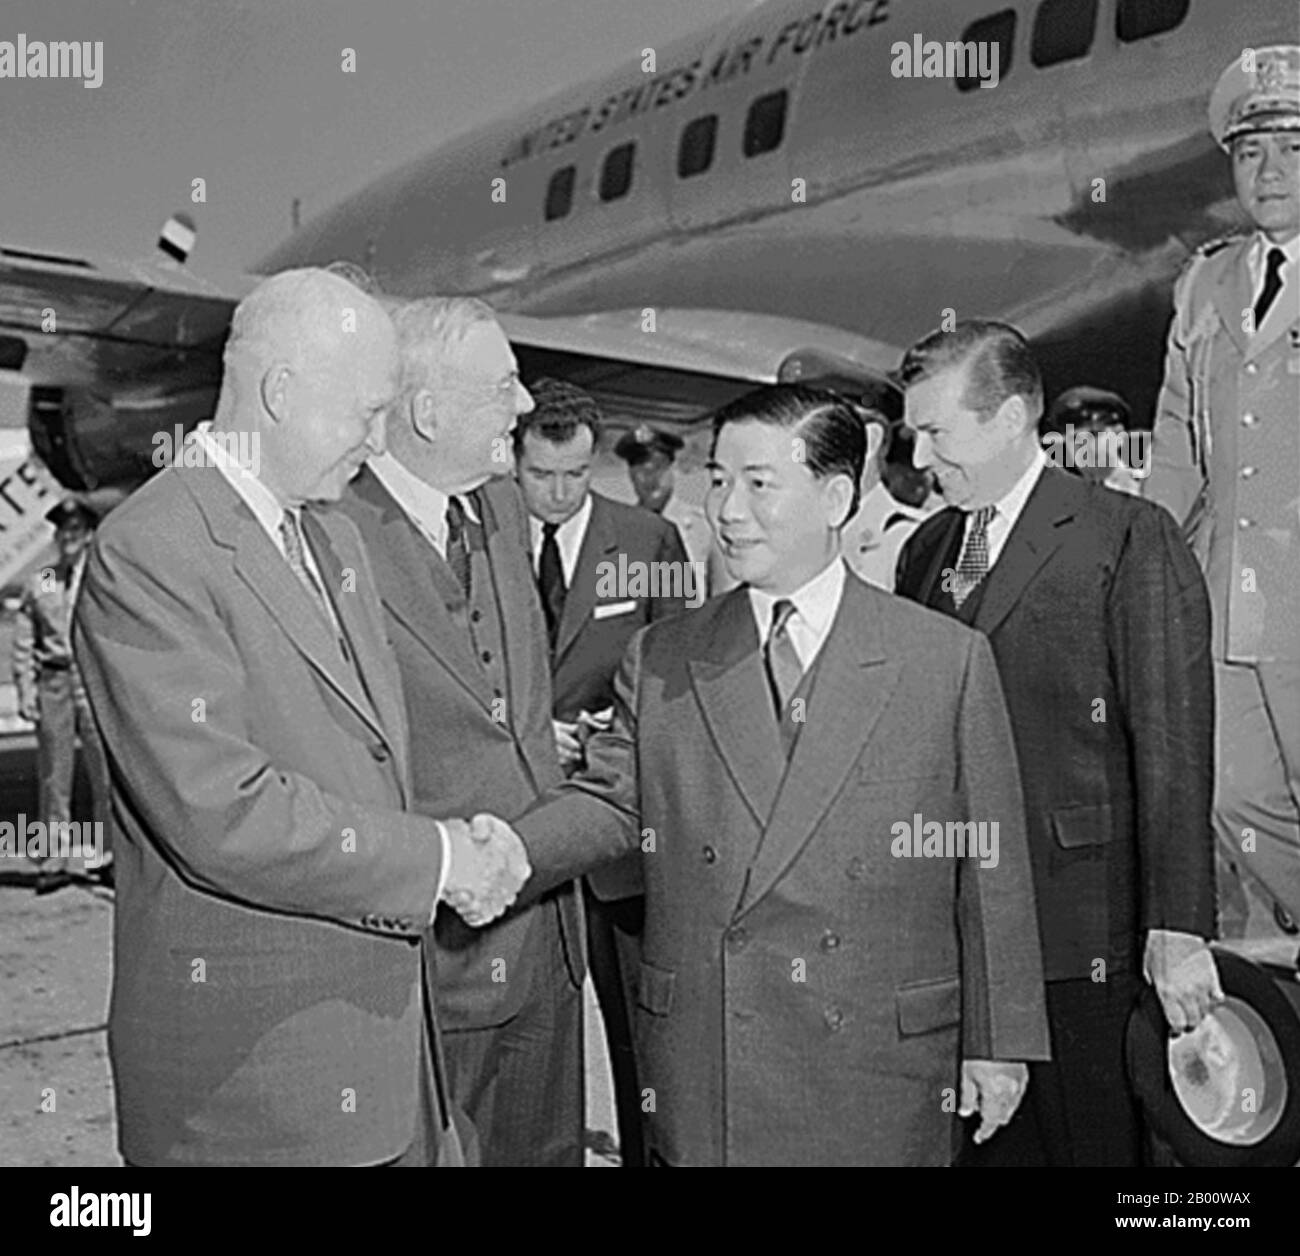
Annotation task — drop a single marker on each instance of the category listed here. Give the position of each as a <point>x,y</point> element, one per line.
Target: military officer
<point>50,693</point>
<point>1226,462</point>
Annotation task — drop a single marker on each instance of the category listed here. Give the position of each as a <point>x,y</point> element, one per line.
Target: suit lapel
<point>1034,538</point>
<point>416,587</point>
<point>336,552</point>
<point>268,576</point>
<point>943,554</point>
<point>854,684</point>
<point>580,601</point>
<point>731,688</point>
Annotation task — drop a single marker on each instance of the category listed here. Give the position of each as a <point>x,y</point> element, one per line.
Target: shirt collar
<point>261,501</point>
<point>1012,502</point>
<point>574,527</point>
<point>425,505</point>
<point>816,602</point>
<point>1259,251</point>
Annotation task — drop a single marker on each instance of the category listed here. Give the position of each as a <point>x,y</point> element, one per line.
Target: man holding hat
<point>50,693</point>
<point>1227,465</point>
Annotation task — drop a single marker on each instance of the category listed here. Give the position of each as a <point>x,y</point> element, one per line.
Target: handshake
<point>488,868</point>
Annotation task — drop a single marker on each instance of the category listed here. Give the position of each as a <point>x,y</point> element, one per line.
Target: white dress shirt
<point>424,505</point>
<point>815,605</point>
<point>568,536</point>
<point>268,512</point>
<point>1009,505</point>
<point>1284,303</point>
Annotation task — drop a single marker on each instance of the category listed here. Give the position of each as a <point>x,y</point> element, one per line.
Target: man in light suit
<point>1100,626</point>
<point>269,1003</point>
<point>447,537</point>
<point>812,980</point>
<point>580,541</point>
<point>1227,465</point>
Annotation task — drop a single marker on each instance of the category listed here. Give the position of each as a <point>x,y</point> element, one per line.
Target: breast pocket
<point>1089,825</point>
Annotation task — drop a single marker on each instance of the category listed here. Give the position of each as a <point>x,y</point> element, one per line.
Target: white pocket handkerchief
<point>607,610</point>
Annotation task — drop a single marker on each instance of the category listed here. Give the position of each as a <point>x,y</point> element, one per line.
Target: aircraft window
<point>695,151</point>
<point>1063,31</point>
<point>998,28</point>
<point>1138,19</point>
<point>559,193</point>
<point>616,173</point>
<point>765,123</point>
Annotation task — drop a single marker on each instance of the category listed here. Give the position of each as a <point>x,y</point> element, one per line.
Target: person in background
<point>573,532</point>
<point>651,456</point>
<point>1104,418</point>
<point>51,694</point>
<point>896,499</point>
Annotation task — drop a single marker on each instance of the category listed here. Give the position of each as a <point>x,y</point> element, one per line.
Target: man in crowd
<point>52,696</point>
<point>817,987</point>
<point>1100,626</point>
<point>447,536</point>
<point>580,541</point>
<point>1086,431</point>
<point>269,1002</point>
<point>1227,465</point>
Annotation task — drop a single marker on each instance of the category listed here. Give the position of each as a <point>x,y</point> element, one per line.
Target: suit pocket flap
<point>927,1005</point>
<point>655,989</point>
<point>1082,826</point>
<point>607,610</point>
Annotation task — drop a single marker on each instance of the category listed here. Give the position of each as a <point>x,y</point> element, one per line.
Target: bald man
<point>271,1001</point>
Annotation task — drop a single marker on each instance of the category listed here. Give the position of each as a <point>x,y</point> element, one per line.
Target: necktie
<point>550,579</point>
<point>974,563</point>
<point>784,671</point>
<point>291,535</point>
<point>458,543</point>
<point>1272,285</point>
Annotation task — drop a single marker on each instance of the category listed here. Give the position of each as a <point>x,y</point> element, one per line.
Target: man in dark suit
<point>580,542</point>
<point>1100,625</point>
<point>824,980</point>
<point>270,1004</point>
<point>447,537</point>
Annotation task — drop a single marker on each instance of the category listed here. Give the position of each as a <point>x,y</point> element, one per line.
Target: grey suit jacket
<point>807,991</point>
<point>272,888</point>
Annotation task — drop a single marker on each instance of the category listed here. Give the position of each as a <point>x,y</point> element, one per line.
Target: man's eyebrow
<point>758,466</point>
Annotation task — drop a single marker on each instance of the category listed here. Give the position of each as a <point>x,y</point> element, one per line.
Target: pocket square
<point>606,610</point>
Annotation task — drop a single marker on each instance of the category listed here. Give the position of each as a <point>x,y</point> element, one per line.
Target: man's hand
<point>488,868</point>
<point>994,1089</point>
<point>1182,969</point>
<point>29,704</point>
<point>567,744</point>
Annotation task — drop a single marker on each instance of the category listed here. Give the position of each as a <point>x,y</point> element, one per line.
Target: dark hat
<point>642,441</point>
<point>1228,1093</point>
<point>1085,404</point>
<point>68,509</point>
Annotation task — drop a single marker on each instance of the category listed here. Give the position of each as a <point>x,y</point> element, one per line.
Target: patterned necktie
<point>784,671</point>
<point>550,579</point>
<point>291,535</point>
<point>1272,285</point>
<point>458,543</point>
<point>974,564</point>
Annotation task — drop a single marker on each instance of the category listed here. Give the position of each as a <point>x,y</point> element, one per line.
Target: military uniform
<point>1226,463</point>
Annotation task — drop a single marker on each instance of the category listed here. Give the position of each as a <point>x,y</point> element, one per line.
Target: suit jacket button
<point>1247,472</point>
<point>486,656</point>
<point>830,940</point>
<point>378,752</point>
<point>710,855</point>
<point>1248,420</point>
<point>834,1018</point>
<point>475,616</point>
<point>857,869</point>
<point>737,938</point>
<point>1251,368</point>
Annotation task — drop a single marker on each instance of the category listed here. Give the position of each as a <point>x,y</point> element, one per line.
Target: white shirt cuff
<point>444,868</point>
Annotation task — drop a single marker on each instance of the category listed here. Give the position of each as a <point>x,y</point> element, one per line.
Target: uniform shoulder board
<point>1217,245</point>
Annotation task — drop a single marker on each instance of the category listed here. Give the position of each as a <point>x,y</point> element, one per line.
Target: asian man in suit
<point>1099,622</point>
<point>824,980</point>
<point>580,543</point>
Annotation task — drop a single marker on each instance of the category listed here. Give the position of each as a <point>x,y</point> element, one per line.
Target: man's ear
<point>837,496</point>
<point>275,390</point>
<point>1013,414</point>
<point>422,410</point>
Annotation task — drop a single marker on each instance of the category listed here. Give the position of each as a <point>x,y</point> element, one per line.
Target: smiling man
<point>807,996</point>
<point>1227,464</point>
